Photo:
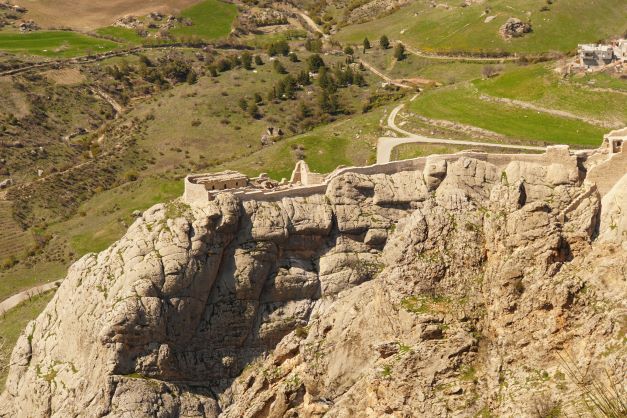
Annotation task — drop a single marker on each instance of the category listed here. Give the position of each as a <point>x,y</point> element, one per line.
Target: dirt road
<point>385,144</point>
<point>21,297</point>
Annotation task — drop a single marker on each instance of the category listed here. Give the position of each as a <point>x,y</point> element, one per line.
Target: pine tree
<point>399,52</point>
<point>247,60</point>
<point>315,62</point>
<point>258,60</point>
<point>366,44</point>
<point>303,111</point>
<point>279,68</point>
<point>303,78</point>
<point>384,42</point>
<point>253,110</point>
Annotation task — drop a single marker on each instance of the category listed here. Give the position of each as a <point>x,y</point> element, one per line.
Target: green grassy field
<point>601,80</point>
<point>24,277</point>
<point>542,86</point>
<point>211,19</point>
<point>53,43</point>
<point>121,34</point>
<point>461,104</point>
<point>407,151</point>
<point>345,142</point>
<point>13,323</point>
<point>442,71</point>
<point>561,28</point>
<point>105,218</point>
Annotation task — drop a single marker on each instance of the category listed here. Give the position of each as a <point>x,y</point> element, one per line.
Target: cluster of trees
<point>173,69</point>
<point>225,64</point>
<point>279,48</point>
<point>329,80</point>
<point>384,43</point>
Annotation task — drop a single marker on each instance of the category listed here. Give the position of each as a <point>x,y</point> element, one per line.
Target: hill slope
<point>471,29</point>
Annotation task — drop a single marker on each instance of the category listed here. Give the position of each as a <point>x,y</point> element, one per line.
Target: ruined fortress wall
<point>269,195</point>
<point>194,192</point>
<point>606,174</point>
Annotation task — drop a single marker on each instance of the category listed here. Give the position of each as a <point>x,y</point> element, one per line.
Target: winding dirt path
<point>385,144</point>
<point>23,296</point>
<point>486,60</point>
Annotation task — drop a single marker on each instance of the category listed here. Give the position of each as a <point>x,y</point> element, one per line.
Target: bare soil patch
<point>89,15</point>
<point>65,76</point>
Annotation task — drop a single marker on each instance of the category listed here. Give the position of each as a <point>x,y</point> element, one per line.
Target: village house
<point>596,55</point>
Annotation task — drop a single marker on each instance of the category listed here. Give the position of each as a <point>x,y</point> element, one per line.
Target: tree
<point>326,81</point>
<point>293,57</point>
<point>191,77</point>
<point>279,48</point>
<point>243,104</point>
<point>287,87</point>
<point>272,94</point>
<point>329,103</point>
<point>358,79</point>
<point>399,52</point>
<point>303,78</point>
<point>313,45</point>
<point>258,99</point>
<point>489,71</point>
<point>279,68</point>
<point>384,42</point>
<point>258,60</point>
<point>303,111</point>
<point>366,44</point>
<point>315,62</point>
<point>247,60</point>
<point>253,110</point>
<point>224,65</point>
<point>349,50</point>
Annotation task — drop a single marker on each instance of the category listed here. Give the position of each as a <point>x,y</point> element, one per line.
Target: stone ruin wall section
<point>554,155</point>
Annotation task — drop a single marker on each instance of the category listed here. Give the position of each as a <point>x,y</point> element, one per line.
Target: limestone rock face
<point>452,292</point>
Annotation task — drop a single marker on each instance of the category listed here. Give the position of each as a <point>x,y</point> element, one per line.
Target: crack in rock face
<point>443,293</point>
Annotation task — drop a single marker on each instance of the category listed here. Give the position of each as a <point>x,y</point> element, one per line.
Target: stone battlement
<point>607,164</point>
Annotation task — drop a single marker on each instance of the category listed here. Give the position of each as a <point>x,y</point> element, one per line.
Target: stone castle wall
<point>554,161</point>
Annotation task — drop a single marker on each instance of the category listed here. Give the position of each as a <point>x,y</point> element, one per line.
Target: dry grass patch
<point>89,15</point>
<point>65,76</point>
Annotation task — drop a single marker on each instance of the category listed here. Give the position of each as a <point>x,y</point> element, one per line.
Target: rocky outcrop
<point>514,28</point>
<point>450,292</point>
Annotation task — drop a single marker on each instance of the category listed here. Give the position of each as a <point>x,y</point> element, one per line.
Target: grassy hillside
<point>349,141</point>
<point>540,85</point>
<point>462,104</point>
<point>53,43</point>
<point>121,34</point>
<point>560,28</point>
<point>211,19</point>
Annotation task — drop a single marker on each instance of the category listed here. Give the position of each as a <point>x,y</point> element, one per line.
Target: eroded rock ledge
<point>438,293</point>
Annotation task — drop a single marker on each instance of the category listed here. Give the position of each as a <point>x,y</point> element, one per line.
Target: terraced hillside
<point>13,240</point>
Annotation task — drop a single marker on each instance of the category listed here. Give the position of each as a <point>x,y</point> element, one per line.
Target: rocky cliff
<point>458,291</point>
